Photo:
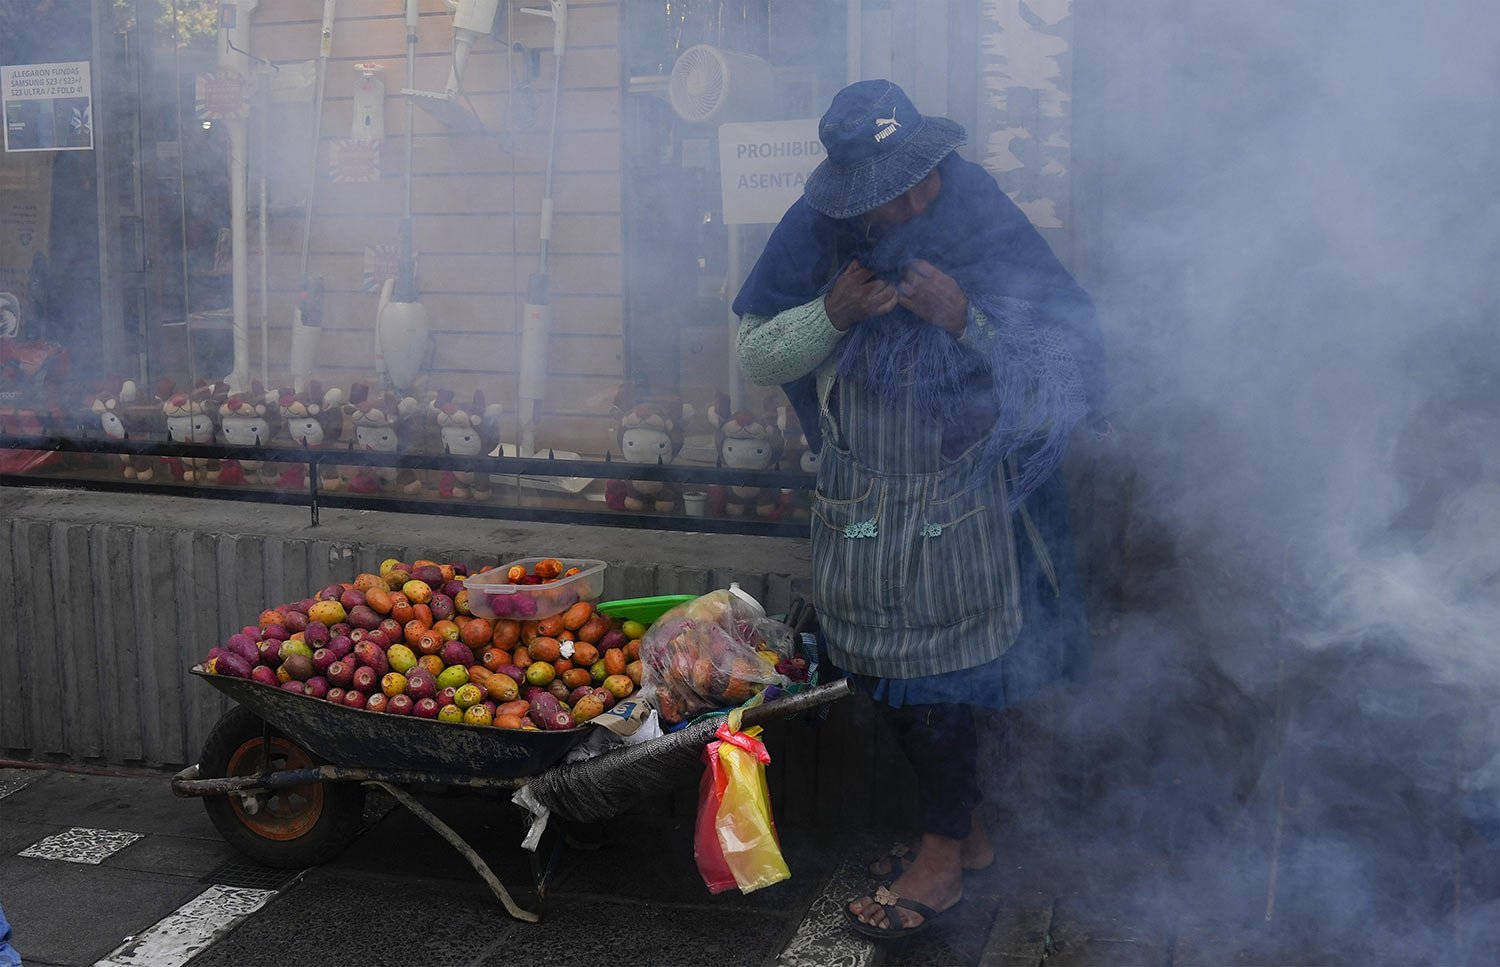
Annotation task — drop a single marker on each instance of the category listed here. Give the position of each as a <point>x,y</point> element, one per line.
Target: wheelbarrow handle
<point>801,702</point>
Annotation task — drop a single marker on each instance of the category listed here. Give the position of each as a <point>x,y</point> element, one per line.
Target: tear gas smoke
<point>1290,216</point>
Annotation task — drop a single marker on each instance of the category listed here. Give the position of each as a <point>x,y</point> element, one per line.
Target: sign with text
<point>763,165</point>
<point>221,95</point>
<point>48,107</point>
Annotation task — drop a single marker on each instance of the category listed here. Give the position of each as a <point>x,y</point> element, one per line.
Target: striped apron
<point>914,562</point>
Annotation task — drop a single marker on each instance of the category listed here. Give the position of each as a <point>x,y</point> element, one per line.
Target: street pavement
<point>112,870</point>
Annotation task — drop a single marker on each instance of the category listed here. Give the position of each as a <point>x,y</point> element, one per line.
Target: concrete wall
<point>108,599</point>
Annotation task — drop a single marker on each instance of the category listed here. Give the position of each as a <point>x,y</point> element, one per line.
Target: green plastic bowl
<point>644,610</point>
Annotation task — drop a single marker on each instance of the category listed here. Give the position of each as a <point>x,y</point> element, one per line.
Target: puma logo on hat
<point>887,127</point>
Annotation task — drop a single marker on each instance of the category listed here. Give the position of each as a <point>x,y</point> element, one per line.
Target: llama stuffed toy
<point>466,433</point>
<point>248,420</point>
<point>122,416</point>
<point>386,425</point>
<point>745,442</point>
<point>315,420</point>
<point>190,419</point>
<point>648,434</point>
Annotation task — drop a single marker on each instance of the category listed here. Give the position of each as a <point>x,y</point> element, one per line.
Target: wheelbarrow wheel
<point>290,828</point>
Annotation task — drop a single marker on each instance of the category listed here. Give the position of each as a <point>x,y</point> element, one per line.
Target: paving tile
<point>438,923</point>
<point>68,913</point>
<point>14,780</point>
<point>337,917</point>
<point>141,803</point>
<point>1113,929</point>
<point>81,844</point>
<point>610,931</point>
<point>823,939</point>
<point>173,855</point>
<point>1017,936</point>
<point>647,849</point>
<point>17,834</point>
<point>658,852</point>
<point>398,842</point>
<point>188,930</point>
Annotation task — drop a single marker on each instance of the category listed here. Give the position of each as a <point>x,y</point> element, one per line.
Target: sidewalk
<point>113,870</point>
<point>144,879</point>
<point>90,864</point>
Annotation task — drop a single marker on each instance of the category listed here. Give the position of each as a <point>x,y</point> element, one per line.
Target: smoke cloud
<point>1290,216</point>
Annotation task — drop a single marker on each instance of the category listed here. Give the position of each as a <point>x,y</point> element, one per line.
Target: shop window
<point>228,209</point>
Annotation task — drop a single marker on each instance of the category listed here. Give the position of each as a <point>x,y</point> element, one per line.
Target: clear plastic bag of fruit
<point>712,652</point>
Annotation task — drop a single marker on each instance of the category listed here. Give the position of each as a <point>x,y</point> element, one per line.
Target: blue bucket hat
<point>879,146</point>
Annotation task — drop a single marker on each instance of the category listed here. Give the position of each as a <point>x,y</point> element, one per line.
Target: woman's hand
<point>857,294</point>
<point>932,295</point>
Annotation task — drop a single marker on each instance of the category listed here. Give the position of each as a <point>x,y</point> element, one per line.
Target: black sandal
<point>895,861</point>
<point>894,929</point>
<point>897,858</point>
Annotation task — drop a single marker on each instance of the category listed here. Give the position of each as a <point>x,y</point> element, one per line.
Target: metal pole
<point>265,246</point>
<point>413,14</point>
<point>559,42</point>
<point>111,325</point>
<point>234,40</point>
<point>325,49</point>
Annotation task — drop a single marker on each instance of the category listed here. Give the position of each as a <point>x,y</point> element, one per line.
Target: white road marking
<point>81,844</point>
<point>14,780</point>
<point>824,938</point>
<point>190,929</point>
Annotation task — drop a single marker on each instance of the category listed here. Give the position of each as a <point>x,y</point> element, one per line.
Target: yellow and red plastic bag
<point>735,840</point>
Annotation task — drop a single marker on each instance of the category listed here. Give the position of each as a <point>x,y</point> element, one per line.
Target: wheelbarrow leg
<point>457,842</point>
<point>542,869</point>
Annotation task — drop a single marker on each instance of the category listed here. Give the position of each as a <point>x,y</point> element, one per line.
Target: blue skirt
<point>1053,644</point>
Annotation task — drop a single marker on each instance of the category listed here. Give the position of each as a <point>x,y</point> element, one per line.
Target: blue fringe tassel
<point>1037,391</point>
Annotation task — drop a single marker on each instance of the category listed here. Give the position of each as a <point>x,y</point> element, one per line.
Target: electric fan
<point>710,85</point>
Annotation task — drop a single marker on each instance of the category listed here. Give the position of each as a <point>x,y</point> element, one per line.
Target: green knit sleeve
<point>778,349</point>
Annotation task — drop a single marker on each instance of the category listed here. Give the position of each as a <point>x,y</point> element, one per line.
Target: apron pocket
<point>852,573</point>
<point>955,567</point>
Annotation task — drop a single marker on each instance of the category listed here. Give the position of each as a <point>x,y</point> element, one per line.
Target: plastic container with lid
<point>491,596</point>
<point>644,610</point>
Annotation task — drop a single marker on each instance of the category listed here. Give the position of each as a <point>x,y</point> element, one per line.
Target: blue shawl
<point>1044,365</point>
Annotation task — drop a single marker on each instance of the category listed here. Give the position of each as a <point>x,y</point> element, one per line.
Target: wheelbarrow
<point>283,775</point>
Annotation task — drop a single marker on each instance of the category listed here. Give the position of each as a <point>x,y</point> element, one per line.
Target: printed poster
<point>763,165</point>
<point>48,107</point>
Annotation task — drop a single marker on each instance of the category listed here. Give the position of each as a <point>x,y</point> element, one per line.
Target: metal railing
<point>315,497</point>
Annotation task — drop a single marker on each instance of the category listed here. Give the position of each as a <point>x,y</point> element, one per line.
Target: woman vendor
<point>944,356</point>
